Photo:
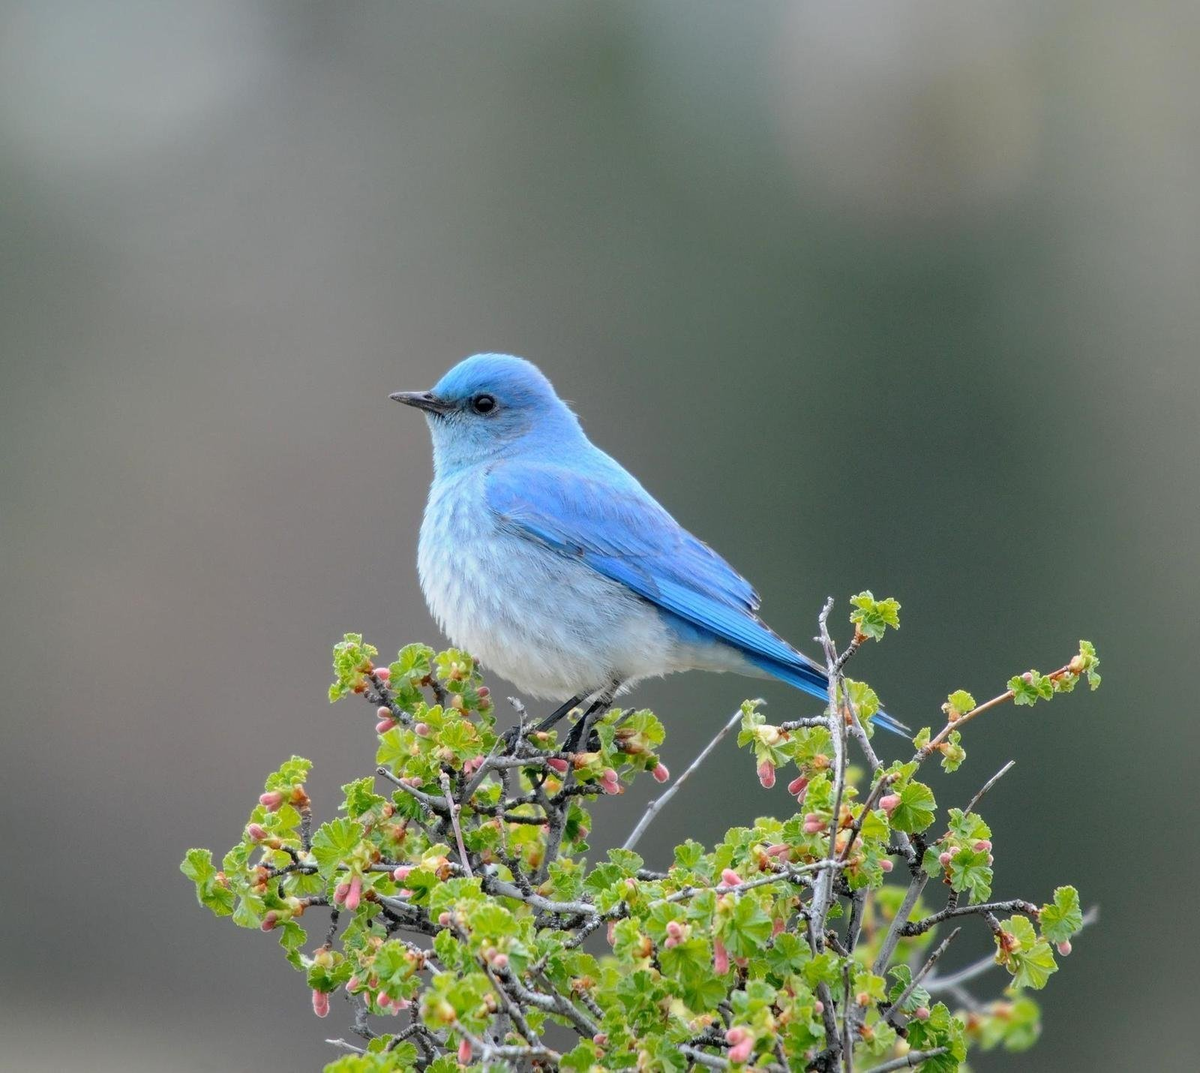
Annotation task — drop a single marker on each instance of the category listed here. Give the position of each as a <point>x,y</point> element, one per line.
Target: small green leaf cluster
<point>462,920</point>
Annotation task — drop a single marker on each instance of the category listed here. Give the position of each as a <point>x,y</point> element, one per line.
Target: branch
<point>656,805</point>
<point>913,1058</point>
<point>984,909</point>
<point>462,849</point>
<point>823,894</point>
<point>953,724</point>
<point>922,972</point>
<point>937,984</point>
<point>988,785</point>
<point>898,923</point>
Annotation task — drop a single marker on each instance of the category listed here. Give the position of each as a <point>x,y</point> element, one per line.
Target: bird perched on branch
<point>546,559</point>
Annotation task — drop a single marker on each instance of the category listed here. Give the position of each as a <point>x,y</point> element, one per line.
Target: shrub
<point>465,928</point>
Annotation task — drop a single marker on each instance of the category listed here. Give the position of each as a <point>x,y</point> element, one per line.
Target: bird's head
<point>491,405</point>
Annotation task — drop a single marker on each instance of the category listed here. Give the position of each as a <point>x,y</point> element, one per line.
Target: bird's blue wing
<point>615,527</point>
<point>612,524</point>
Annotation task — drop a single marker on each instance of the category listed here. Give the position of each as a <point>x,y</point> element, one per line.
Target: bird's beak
<point>422,400</point>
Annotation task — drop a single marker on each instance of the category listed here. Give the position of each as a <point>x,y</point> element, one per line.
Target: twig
<point>702,1058</point>
<point>899,921</point>
<point>937,984</point>
<point>921,973</point>
<point>987,786</point>
<point>823,894</point>
<point>913,1058</point>
<point>985,909</point>
<point>345,1045</point>
<point>653,808</point>
<point>922,754</point>
<point>793,872</point>
<point>462,849</point>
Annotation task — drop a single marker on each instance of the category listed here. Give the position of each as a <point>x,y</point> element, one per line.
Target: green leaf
<point>1063,917</point>
<point>970,872</point>
<point>872,616</point>
<point>1031,687</point>
<point>958,703</point>
<point>333,842</point>
<point>212,890</point>
<point>746,928</point>
<point>1028,958</point>
<point>953,754</point>
<point>916,809</point>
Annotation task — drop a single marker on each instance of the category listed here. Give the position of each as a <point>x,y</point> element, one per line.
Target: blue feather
<point>606,519</point>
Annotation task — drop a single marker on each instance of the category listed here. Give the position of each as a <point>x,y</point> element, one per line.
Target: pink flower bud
<point>736,1035</point>
<point>464,1052</point>
<point>600,1039</point>
<point>611,932</point>
<point>777,926</point>
<point>422,730</point>
<point>609,783</point>
<point>889,803</point>
<point>257,832</point>
<point>720,958</point>
<point>766,774</point>
<point>818,1007</point>
<point>384,725</point>
<point>921,1013</point>
<point>500,961</point>
<point>674,929</point>
<point>742,1052</point>
<point>660,772</point>
<point>473,765</point>
<point>780,849</point>
<point>269,920</point>
<point>271,801</point>
<point>444,919</point>
<point>384,674</point>
<point>401,873</point>
<point>798,785</point>
<point>483,692</point>
<point>730,878</point>
<point>558,764</point>
<point>982,845</point>
<point>945,858</point>
<point>1064,947</point>
<point>991,859</point>
<point>340,892</point>
<point>813,823</point>
<point>353,984</point>
<point>320,1001</point>
<point>354,893</point>
<point>384,712</point>
<point>670,941</point>
<point>886,864</point>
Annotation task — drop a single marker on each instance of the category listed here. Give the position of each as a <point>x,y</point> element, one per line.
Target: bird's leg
<point>510,735</point>
<point>579,732</point>
<point>558,713</point>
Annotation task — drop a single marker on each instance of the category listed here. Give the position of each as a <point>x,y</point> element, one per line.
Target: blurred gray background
<point>899,296</point>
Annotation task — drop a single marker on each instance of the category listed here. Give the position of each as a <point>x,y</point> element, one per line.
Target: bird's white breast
<point>548,623</point>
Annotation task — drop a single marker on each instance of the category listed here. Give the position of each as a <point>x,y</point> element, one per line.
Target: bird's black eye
<point>483,404</point>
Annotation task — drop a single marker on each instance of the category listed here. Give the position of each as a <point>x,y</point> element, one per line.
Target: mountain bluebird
<point>547,560</point>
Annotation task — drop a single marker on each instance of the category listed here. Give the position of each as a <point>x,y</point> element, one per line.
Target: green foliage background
<point>901,298</point>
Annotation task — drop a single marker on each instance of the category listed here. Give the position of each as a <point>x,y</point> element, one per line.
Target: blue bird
<point>549,562</point>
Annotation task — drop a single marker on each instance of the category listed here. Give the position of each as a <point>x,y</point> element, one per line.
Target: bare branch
<point>908,1061</point>
<point>898,1006</point>
<point>988,785</point>
<point>656,805</point>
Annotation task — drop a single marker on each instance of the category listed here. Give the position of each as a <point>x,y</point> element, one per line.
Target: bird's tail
<point>812,680</point>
